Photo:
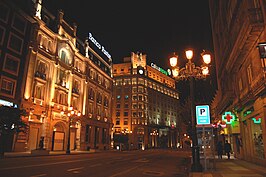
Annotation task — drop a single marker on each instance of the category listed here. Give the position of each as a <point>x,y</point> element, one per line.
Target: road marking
<point>95,165</point>
<point>75,169</point>
<point>46,164</point>
<point>39,175</point>
<point>123,172</point>
<point>141,160</point>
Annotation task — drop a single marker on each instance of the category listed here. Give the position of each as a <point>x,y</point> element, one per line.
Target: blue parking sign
<point>203,115</point>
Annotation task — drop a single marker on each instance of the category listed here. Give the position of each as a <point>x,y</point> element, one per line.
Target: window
<point>91,94</point>
<point>118,97</point>
<point>117,113</point>
<point>87,133</point>
<point>76,85</point>
<point>104,135</point>
<point>126,97</point>
<point>15,43</point>
<point>11,65</point>
<point>118,105</point>
<point>126,105</point>
<point>61,77</point>
<point>125,121</point>
<point>117,121</point>
<point>2,34</point>
<point>90,108</point>
<point>125,114</point>
<point>41,70</point>
<point>99,111</point>
<point>105,101</point>
<point>39,92</point>
<point>97,131</point>
<point>8,87</point>
<point>64,56</point>
<point>99,98</point>
<point>19,24</point>
<point>4,12</point>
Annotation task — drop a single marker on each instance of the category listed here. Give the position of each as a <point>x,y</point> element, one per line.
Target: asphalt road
<point>167,163</point>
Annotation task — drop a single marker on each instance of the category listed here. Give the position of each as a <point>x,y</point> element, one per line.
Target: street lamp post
<point>192,72</point>
<point>71,114</point>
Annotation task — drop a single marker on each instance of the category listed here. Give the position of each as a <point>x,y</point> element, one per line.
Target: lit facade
<point>145,105</point>
<point>62,72</point>
<point>238,27</point>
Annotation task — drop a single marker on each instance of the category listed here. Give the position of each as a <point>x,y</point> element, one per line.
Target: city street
<point>103,164</point>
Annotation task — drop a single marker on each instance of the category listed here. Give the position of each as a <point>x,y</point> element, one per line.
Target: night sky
<point>155,28</point>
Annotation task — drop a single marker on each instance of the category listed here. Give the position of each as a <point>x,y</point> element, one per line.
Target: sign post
<point>203,120</point>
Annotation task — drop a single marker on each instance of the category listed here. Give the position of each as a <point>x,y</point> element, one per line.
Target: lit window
<point>8,87</point>
<point>11,64</point>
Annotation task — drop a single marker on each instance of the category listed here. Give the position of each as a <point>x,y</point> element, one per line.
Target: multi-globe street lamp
<point>71,114</point>
<point>191,72</point>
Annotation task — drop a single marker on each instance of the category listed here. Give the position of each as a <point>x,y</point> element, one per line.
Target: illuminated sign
<point>228,117</point>
<point>7,103</point>
<point>159,69</point>
<point>256,120</point>
<point>203,115</point>
<point>99,46</point>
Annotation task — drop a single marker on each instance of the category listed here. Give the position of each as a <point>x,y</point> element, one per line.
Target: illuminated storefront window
<point>257,137</point>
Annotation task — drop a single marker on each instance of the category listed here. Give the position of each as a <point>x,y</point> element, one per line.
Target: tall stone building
<point>145,105</point>
<point>238,29</point>
<point>16,27</point>
<point>62,75</point>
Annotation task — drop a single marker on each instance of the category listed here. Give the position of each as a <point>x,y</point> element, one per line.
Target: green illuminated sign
<point>159,69</point>
<point>228,117</point>
<point>256,120</point>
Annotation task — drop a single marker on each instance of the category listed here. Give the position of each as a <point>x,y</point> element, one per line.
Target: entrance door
<point>33,138</point>
<point>58,143</point>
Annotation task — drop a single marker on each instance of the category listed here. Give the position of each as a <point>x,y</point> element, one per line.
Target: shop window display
<point>258,140</point>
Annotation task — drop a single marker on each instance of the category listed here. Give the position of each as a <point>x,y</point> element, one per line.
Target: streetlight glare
<point>206,57</point>
<point>175,72</point>
<point>192,72</point>
<point>205,70</point>
<point>173,60</point>
<point>189,54</point>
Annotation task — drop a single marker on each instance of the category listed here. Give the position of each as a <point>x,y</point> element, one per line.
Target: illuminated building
<point>239,35</point>
<point>63,72</point>
<point>145,105</point>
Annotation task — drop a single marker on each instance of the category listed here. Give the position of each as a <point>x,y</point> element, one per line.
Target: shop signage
<point>7,103</point>
<point>203,115</point>
<point>228,117</point>
<point>159,69</point>
<point>256,120</point>
<point>99,46</point>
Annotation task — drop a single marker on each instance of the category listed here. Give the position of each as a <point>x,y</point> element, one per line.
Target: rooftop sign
<point>159,69</point>
<point>99,46</point>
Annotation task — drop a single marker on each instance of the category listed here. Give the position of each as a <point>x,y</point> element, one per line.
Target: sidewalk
<point>232,168</point>
<point>29,154</point>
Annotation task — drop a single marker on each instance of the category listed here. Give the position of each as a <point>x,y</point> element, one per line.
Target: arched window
<point>64,57</point>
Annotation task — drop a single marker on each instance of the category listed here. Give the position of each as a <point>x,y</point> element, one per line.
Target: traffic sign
<point>203,115</point>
